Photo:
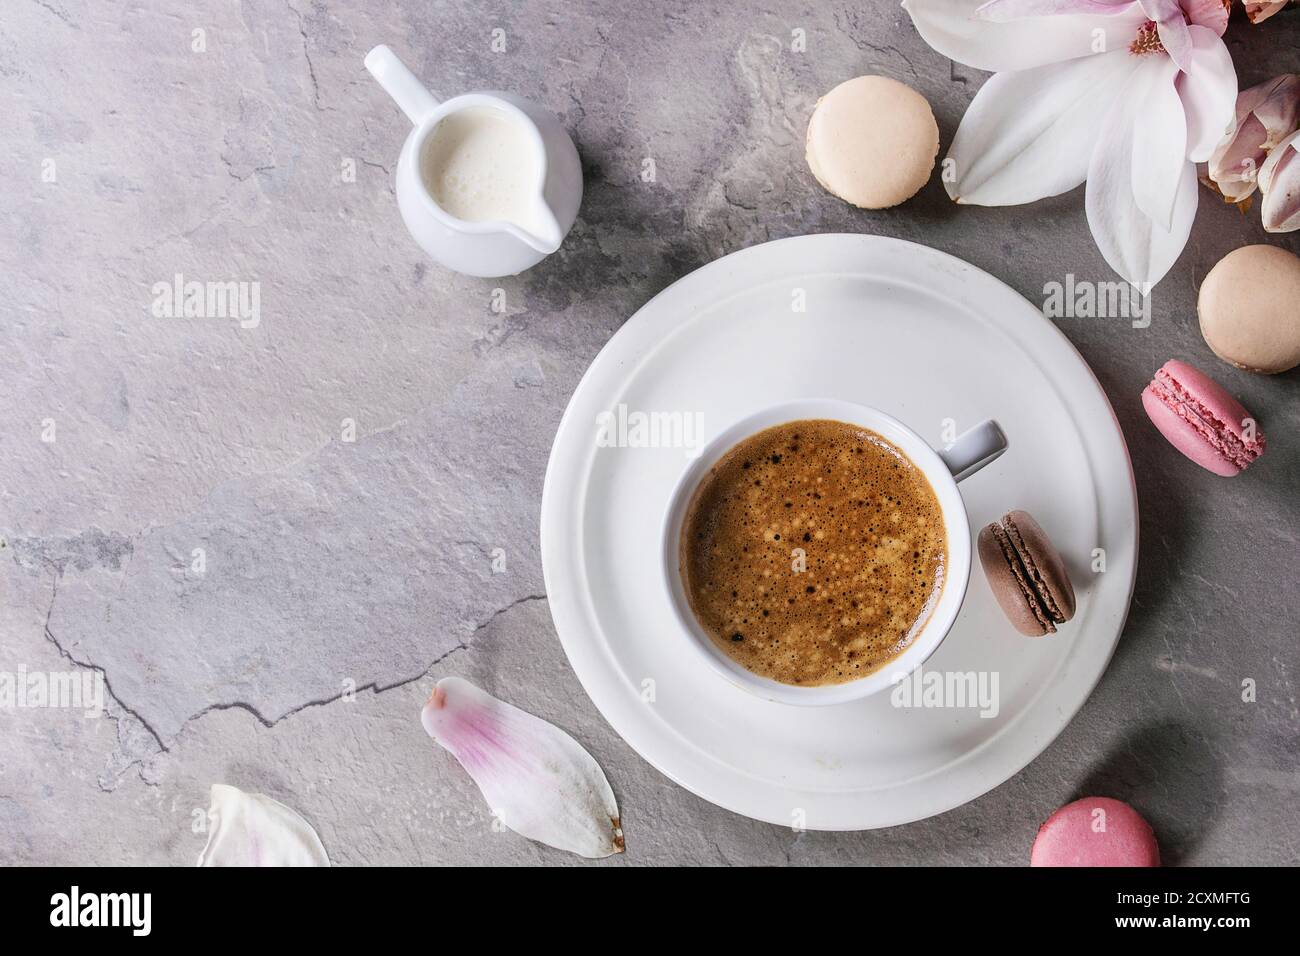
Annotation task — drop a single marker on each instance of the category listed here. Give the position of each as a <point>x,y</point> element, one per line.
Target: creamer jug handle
<point>400,83</point>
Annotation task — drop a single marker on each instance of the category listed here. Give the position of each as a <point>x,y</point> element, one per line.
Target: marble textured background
<point>369,561</point>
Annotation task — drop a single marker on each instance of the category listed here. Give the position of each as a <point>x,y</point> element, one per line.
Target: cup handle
<point>400,83</point>
<point>973,449</point>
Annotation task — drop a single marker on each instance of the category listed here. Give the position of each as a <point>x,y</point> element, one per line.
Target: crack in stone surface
<point>112,550</point>
<point>61,14</point>
<point>225,633</point>
<point>509,607</point>
<point>108,688</point>
<point>375,687</point>
<point>137,762</point>
<point>311,67</point>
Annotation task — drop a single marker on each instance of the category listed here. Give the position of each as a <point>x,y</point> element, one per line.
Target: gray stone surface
<point>333,564</point>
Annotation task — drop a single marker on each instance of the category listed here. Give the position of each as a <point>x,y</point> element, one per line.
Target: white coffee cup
<point>970,452</point>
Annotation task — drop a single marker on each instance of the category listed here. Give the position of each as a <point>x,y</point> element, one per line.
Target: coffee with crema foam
<point>813,552</point>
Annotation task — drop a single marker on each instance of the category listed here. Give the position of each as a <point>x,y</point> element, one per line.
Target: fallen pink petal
<point>536,779</point>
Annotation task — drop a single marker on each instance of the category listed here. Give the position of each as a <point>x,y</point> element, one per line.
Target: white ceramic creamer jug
<point>487,183</point>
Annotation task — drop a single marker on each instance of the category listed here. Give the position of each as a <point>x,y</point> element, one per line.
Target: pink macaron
<point>1201,420</point>
<point>1095,831</point>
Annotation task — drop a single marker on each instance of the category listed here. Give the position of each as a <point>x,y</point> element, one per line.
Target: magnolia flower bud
<point>1261,10</point>
<point>1266,114</point>
<point>1279,181</point>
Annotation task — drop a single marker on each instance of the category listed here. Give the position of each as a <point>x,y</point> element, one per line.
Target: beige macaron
<point>872,141</point>
<point>1250,309</point>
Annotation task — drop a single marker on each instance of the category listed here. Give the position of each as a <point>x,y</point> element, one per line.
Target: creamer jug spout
<point>544,233</point>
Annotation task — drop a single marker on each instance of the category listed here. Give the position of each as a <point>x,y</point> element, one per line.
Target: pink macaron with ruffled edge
<point>1201,420</point>
<point>1095,831</point>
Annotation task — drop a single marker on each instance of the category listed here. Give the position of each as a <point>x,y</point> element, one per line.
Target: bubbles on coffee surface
<point>813,552</point>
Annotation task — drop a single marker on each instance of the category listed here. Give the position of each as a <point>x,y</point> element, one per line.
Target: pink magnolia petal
<point>953,29</point>
<point>1133,245</point>
<point>1207,13</point>
<point>1029,134</point>
<point>1159,142</point>
<point>1275,98</point>
<point>1235,190</point>
<point>1172,27</point>
<point>537,779</point>
<point>1265,115</point>
<point>1279,181</point>
<point>1208,90</point>
<point>1234,167</point>
<point>1261,10</point>
<point>1279,111</point>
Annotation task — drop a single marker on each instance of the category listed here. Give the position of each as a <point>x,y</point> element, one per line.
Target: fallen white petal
<point>1133,245</point>
<point>251,829</point>
<point>1029,134</point>
<point>1208,90</point>
<point>953,29</point>
<point>537,780</point>
<point>1159,143</point>
<point>1279,181</point>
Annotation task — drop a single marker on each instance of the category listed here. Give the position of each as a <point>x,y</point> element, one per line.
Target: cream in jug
<point>487,183</point>
<point>481,164</point>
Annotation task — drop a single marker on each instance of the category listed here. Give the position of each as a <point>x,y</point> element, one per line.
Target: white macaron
<point>872,141</point>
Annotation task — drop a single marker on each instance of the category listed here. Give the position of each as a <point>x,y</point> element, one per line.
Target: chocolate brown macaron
<point>1026,574</point>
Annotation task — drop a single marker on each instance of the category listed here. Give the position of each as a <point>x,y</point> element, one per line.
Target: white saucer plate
<point>939,345</point>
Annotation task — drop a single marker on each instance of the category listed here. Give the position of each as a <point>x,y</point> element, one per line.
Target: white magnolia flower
<point>1126,95</point>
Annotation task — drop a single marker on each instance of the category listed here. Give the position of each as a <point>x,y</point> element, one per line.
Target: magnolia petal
<point>1207,13</point>
<point>1279,109</point>
<point>1234,167</point>
<point>1158,10</point>
<point>1208,90</point>
<point>1279,181</point>
<point>1003,10</point>
<point>1134,246</point>
<point>1265,114</point>
<point>1275,98</point>
<point>1237,194</point>
<point>1029,134</point>
<point>1172,27</point>
<point>953,29</point>
<point>1159,143</point>
<point>1261,10</point>
<point>537,779</point>
<point>251,829</point>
